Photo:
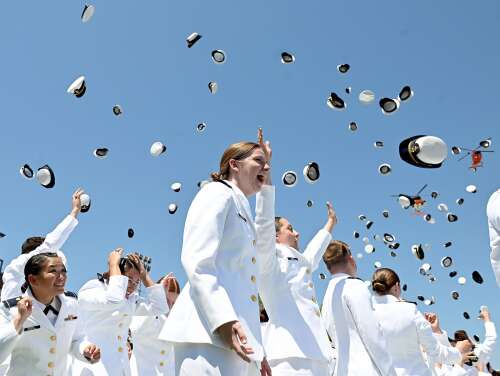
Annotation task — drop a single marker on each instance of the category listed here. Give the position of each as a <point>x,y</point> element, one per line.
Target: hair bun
<point>379,287</point>
<point>216,176</point>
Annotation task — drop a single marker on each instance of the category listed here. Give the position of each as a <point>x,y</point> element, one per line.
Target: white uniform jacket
<point>150,356</point>
<point>107,316</point>
<point>42,348</point>
<point>351,322</point>
<point>295,329</point>
<point>406,330</point>
<point>219,256</point>
<point>485,349</point>
<point>13,276</point>
<point>493,212</point>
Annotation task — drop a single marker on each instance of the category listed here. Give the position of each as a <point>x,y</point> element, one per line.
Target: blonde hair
<point>237,151</point>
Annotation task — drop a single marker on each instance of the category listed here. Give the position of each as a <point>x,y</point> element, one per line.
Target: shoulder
<point>12,302</point>
<point>71,294</point>
<point>92,284</point>
<point>214,192</point>
<point>412,304</point>
<point>355,282</point>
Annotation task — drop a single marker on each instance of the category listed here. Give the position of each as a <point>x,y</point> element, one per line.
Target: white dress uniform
<point>406,330</point>
<point>150,356</point>
<point>107,316</point>
<point>351,322</point>
<point>13,276</point>
<point>295,339</point>
<point>220,259</point>
<point>42,347</point>
<point>493,212</point>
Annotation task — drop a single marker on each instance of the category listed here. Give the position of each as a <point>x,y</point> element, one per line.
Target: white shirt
<point>295,329</point>
<point>107,317</point>
<point>42,348</point>
<point>493,212</point>
<point>13,276</point>
<point>219,256</point>
<point>351,322</point>
<point>150,356</point>
<point>406,331</point>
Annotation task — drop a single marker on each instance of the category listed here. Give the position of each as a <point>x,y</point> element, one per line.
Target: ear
<point>32,280</point>
<point>233,164</point>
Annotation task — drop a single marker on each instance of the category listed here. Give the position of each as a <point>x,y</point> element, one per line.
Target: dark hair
<point>336,254</point>
<point>461,335</point>
<point>237,151</point>
<point>124,265</point>
<point>383,280</point>
<point>31,244</point>
<point>36,263</point>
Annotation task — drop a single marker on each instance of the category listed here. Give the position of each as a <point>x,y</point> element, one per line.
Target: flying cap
<point>311,172</point>
<point>462,280</point>
<point>78,87</point>
<point>355,234</point>
<point>460,201</point>
<point>366,96</point>
<point>130,232</point>
<point>213,87</point>
<point>309,203</point>
<point>452,217</point>
<point>369,248</point>
<point>476,277</point>
<point>218,56</point>
<point>471,188</point>
<point>192,39</point>
<point>423,151</point>
<point>388,105</point>
<point>343,68</point>
<point>26,171</point>
<point>157,148</point>
<point>455,295</point>
<point>46,177</point>
<point>176,187</point>
<point>385,213</point>
<point>434,194</point>
<point>289,179</point>
<point>87,13</point>
<point>335,102</point>
<point>287,58</point>
<point>442,207</point>
<point>201,127</point>
<point>172,208</point>
<point>384,169</point>
<point>405,93</point>
<point>353,126</point>
<point>485,143</point>
<point>101,153</point>
<point>446,262</point>
<point>418,251</point>
<point>117,110</point>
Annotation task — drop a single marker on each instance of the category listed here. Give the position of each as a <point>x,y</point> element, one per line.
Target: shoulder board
<point>71,294</point>
<point>9,303</point>
<point>223,182</point>
<point>407,301</point>
<point>359,279</point>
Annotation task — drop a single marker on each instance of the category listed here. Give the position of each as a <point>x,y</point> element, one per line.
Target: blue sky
<point>134,54</point>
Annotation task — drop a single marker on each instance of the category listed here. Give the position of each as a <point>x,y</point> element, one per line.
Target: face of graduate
<point>287,235</point>
<point>51,280</point>
<point>250,173</point>
<point>134,278</point>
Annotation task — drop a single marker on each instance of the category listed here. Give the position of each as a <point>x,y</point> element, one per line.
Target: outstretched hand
<point>332,217</point>
<point>76,204</point>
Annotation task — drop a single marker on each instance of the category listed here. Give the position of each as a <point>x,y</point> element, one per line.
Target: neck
<point>235,181</point>
<point>42,298</point>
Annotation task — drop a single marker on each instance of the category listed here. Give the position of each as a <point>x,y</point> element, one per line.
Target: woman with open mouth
<point>40,328</point>
<point>215,324</point>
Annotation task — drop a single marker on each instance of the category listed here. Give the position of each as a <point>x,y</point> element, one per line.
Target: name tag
<point>70,317</point>
<point>31,328</point>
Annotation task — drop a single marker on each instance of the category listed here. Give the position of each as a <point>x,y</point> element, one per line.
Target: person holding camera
<point>40,328</point>
<point>109,304</point>
<point>406,330</point>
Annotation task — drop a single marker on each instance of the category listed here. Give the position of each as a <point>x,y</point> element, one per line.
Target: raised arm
<point>11,327</point>
<point>360,306</point>
<point>436,351</point>
<point>13,276</point>
<point>485,349</point>
<point>317,246</point>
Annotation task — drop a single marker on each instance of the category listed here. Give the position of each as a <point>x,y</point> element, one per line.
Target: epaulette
<point>355,278</point>
<point>71,294</point>
<point>407,301</point>
<point>12,302</point>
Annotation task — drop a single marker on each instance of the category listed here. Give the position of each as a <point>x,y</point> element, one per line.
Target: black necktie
<point>50,308</point>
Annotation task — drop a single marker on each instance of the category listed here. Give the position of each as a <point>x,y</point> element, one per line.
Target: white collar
<point>385,299</point>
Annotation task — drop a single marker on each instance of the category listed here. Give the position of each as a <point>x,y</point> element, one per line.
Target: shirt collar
<point>384,299</point>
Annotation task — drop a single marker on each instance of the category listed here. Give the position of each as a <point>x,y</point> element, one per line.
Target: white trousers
<point>299,367</point>
<point>203,359</point>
